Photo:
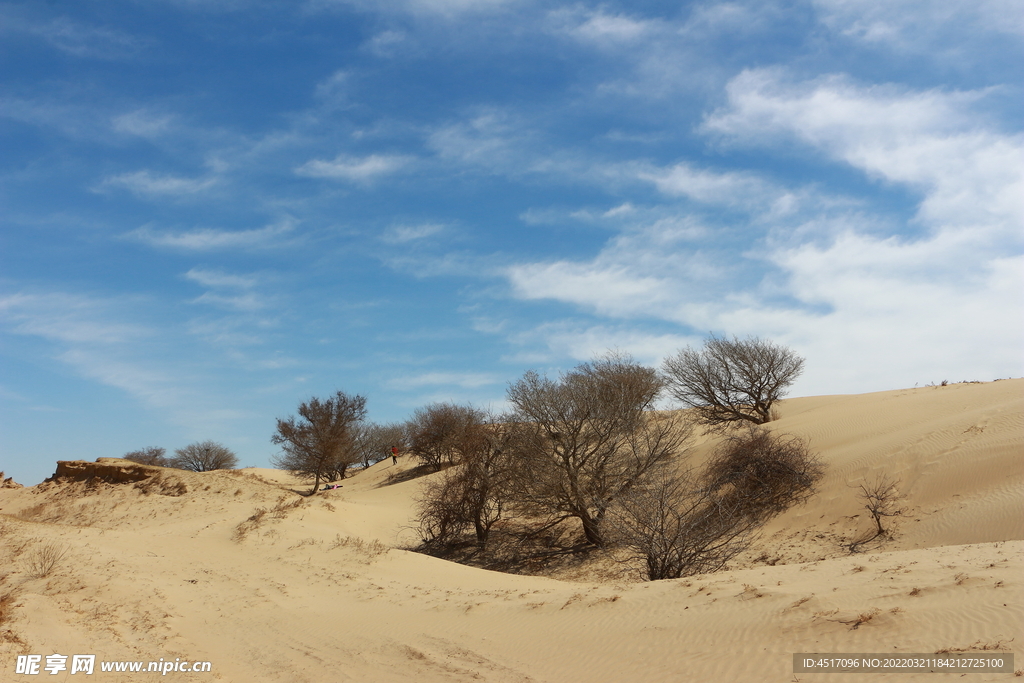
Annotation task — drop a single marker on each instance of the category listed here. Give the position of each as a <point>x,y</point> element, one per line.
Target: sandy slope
<point>176,564</point>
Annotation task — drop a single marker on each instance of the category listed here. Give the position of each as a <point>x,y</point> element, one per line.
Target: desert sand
<point>169,564</point>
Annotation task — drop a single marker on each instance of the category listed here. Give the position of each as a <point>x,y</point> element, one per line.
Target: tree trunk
<point>481,532</point>
<point>591,529</point>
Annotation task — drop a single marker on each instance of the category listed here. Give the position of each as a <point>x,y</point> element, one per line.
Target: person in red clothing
<point>394,455</point>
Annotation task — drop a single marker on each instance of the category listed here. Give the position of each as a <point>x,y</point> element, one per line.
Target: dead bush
<point>253,522</point>
<point>474,494</point>
<point>370,549</point>
<point>153,455</point>
<point>441,434</point>
<point>203,457</point>
<point>46,559</point>
<point>681,523</point>
<point>881,499</point>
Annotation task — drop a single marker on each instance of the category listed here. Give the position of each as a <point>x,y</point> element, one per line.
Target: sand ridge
<point>239,569</point>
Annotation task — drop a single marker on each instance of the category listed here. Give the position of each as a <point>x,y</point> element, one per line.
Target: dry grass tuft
<point>253,522</point>
<point>371,549</point>
<point>279,511</point>
<point>750,592</point>
<point>46,559</point>
<point>861,619</point>
<point>978,646</point>
<point>6,607</point>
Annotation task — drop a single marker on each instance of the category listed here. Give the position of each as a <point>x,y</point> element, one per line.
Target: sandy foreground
<point>168,564</point>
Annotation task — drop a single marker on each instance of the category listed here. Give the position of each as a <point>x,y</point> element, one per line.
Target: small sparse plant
<point>881,499</point>
<point>369,548</point>
<point>253,522</point>
<point>46,559</point>
<point>862,618</point>
<point>6,607</point>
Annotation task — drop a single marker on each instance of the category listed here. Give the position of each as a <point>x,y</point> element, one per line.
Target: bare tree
<point>154,455</point>
<point>732,381</point>
<point>881,499</point>
<point>441,433</point>
<point>203,457</point>
<point>320,442</point>
<point>374,441</point>
<point>582,441</point>
<point>472,494</point>
<point>680,523</point>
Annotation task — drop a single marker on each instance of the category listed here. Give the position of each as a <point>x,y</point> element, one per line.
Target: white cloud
<point>216,278</point>
<point>354,169</point>
<point>911,303</point>
<point>143,123</point>
<point>146,183</point>
<point>734,187</point>
<point>921,24</point>
<point>582,342</point>
<point>971,174</point>
<point>400,234</point>
<point>248,301</point>
<point>608,288</point>
<point>466,380</point>
<point>211,239</point>
<point>600,28</point>
<point>67,318</point>
<point>73,37</point>
<point>448,9</point>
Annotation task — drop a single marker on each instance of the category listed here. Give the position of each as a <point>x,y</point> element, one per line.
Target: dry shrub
<point>471,495</point>
<point>279,511</point>
<point>282,508</point>
<point>252,523</point>
<point>162,484</point>
<point>881,499</point>
<point>46,559</point>
<point>33,513</point>
<point>681,523</point>
<point>978,646</point>
<point>370,549</point>
<point>6,607</point>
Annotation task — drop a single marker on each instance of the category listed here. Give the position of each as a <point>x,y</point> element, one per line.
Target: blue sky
<point>213,210</point>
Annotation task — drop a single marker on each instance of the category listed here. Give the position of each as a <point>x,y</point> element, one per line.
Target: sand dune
<point>238,569</point>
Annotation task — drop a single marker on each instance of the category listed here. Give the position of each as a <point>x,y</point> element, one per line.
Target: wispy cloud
<point>217,278</point>
<point>600,28</point>
<point>209,239</point>
<point>147,183</point>
<point>68,318</point>
<point>73,37</point>
<point>354,169</point>
<point>824,279</point>
<point>401,234</point>
<point>143,123</point>
<point>918,25</point>
<point>466,380</point>
<point>931,140</point>
<point>732,187</point>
